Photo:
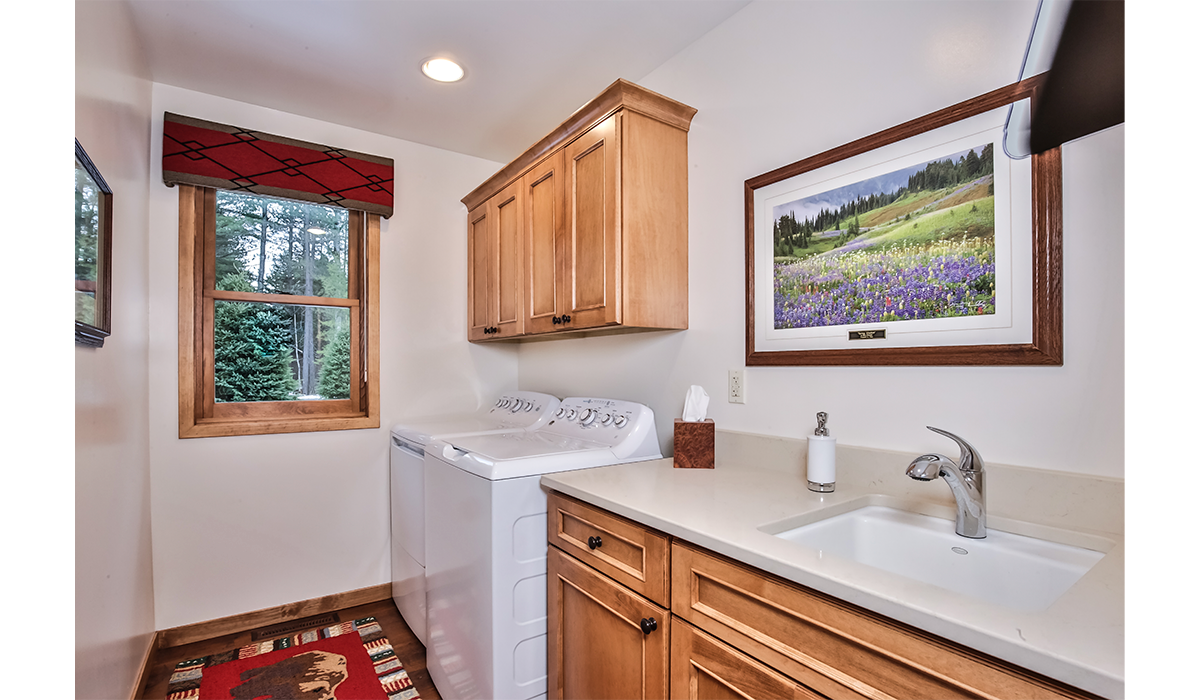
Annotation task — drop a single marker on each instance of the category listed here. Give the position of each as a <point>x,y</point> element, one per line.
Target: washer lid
<point>514,410</point>
<point>522,444</point>
<point>512,455</point>
<point>422,432</point>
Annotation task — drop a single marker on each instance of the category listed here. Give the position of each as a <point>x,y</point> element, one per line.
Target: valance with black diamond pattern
<point>198,152</point>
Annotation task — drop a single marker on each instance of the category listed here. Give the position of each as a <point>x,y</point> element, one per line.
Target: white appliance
<point>485,538</point>
<point>515,410</point>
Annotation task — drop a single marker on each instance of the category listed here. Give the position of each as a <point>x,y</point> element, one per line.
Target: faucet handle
<point>968,458</point>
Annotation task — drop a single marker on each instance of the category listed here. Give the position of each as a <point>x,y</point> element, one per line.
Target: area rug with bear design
<point>350,661</point>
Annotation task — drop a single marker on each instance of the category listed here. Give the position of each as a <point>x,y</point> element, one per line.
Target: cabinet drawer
<point>838,649</point>
<point>703,668</point>
<point>629,553</point>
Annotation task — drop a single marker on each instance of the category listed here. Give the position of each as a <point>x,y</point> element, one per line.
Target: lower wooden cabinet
<point>605,642</point>
<point>733,631</point>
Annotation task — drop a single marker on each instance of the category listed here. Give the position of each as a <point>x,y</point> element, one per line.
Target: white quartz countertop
<point>1078,640</point>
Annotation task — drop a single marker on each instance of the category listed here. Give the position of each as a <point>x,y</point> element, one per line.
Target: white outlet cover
<point>737,386</point>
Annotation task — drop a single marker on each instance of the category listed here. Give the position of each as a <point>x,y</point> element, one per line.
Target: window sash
<point>199,413</point>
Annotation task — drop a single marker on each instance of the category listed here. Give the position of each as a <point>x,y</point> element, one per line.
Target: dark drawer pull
<point>594,542</point>
<point>649,625</point>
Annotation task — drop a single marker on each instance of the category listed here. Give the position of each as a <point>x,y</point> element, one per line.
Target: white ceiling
<point>529,63</point>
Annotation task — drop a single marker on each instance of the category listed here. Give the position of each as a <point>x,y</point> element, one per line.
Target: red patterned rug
<point>348,661</point>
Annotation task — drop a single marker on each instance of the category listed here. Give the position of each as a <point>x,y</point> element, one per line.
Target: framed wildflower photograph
<point>923,244</point>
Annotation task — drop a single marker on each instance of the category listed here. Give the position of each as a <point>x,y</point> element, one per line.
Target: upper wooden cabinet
<point>495,266</point>
<point>600,213</point>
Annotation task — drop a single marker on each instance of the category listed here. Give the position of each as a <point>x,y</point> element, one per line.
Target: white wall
<point>114,596</point>
<point>245,523</point>
<point>781,81</point>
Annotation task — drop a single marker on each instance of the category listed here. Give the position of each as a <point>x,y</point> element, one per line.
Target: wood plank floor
<point>406,645</point>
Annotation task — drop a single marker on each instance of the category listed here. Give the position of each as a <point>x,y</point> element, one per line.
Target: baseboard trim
<point>139,687</point>
<point>199,631</point>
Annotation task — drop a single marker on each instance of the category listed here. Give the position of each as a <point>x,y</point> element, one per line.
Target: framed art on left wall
<point>93,252</point>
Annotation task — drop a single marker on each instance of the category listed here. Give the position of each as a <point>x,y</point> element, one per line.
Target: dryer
<point>485,524</point>
<point>515,410</point>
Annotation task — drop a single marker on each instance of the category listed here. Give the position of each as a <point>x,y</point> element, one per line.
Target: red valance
<point>198,152</point>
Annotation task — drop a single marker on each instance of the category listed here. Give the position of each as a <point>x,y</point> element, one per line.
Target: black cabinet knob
<point>649,624</point>
<point>594,542</point>
<point>556,320</point>
<point>566,318</point>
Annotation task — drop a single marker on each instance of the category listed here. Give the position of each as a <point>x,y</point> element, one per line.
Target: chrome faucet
<point>966,483</point>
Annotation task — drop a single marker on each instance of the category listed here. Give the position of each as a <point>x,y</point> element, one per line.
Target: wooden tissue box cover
<point>695,444</point>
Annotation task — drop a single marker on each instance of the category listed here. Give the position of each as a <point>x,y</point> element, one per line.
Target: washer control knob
<point>606,419</point>
<point>528,406</point>
<point>620,420</point>
<point>588,417</point>
<point>560,412</point>
<point>571,414</point>
<point>516,406</point>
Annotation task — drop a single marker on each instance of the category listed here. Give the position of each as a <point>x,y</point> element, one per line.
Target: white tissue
<point>695,404</point>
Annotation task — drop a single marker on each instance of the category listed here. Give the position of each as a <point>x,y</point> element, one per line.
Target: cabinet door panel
<point>508,259</point>
<point>545,243</point>
<point>702,668</point>
<point>596,647</point>
<point>478,268</point>
<point>594,226</point>
<point>589,229</point>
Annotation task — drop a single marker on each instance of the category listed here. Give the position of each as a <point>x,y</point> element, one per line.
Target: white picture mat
<point>1013,321</point>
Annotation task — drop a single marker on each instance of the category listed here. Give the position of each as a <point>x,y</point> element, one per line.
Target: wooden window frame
<point>199,413</point>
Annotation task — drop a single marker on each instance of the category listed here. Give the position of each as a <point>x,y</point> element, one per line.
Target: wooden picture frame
<point>1022,325</point>
<point>93,252</point>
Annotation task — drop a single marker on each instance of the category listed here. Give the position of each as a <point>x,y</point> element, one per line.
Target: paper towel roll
<point>822,463</point>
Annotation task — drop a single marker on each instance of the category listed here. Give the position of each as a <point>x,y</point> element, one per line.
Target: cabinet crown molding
<point>622,94</point>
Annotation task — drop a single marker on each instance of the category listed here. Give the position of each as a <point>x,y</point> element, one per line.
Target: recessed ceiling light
<point>442,70</point>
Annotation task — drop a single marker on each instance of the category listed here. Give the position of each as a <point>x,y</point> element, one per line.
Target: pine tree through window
<point>277,315</point>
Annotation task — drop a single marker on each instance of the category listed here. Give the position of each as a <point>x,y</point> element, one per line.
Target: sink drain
<point>958,550</point>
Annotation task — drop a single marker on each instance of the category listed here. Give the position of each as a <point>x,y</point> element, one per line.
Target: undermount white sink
<point>1014,571</point>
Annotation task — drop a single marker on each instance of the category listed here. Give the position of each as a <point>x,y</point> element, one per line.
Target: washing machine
<point>485,525</point>
<point>515,410</point>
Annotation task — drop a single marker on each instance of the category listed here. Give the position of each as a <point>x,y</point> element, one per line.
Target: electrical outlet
<point>737,386</point>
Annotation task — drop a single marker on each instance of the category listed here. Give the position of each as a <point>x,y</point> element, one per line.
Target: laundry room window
<point>278,315</point>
